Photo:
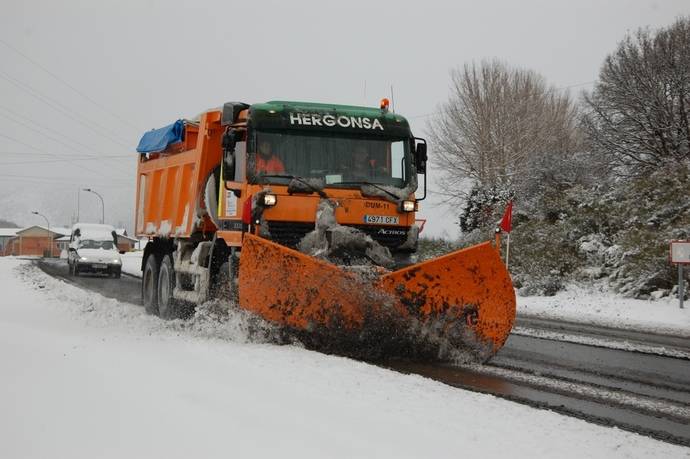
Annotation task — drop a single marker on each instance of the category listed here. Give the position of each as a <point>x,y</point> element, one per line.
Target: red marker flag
<point>507,220</point>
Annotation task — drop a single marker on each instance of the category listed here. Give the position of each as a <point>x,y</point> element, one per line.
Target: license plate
<point>381,219</point>
<point>98,266</point>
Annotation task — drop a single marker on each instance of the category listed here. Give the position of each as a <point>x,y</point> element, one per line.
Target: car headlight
<point>83,259</point>
<point>407,206</point>
<point>270,200</point>
<point>117,262</point>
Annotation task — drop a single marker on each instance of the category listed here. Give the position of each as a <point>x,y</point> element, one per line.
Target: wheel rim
<point>164,292</point>
<point>148,290</point>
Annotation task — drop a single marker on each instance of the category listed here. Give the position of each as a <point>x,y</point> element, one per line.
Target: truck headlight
<point>407,206</point>
<point>270,200</point>
<point>117,262</point>
<point>83,259</point>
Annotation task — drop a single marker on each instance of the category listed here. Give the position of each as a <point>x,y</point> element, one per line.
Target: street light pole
<point>50,245</point>
<point>102,204</point>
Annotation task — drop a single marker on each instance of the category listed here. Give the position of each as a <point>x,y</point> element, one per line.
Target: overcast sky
<point>81,81</point>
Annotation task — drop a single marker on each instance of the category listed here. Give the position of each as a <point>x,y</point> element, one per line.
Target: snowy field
<point>85,376</point>
<point>581,305</point>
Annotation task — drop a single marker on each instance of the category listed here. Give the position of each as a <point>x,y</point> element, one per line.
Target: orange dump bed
<point>170,184</point>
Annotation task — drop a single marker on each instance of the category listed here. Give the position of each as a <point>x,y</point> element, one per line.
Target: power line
<point>68,180</point>
<point>82,158</point>
<point>42,126</point>
<point>578,84</point>
<point>81,166</point>
<point>67,156</point>
<point>37,64</point>
<point>31,128</point>
<point>61,108</point>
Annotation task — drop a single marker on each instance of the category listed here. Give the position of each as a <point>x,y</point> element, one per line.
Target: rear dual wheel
<point>168,307</point>
<point>157,286</point>
<point>149,285</point>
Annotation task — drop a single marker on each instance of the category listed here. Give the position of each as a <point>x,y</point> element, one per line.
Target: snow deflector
<point>461,301</point>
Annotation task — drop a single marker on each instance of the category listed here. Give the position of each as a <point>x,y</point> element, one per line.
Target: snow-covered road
<point>86,376</point>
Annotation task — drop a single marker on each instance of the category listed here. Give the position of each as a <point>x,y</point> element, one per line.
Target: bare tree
<point>496,121</point>
<point>638,113</point>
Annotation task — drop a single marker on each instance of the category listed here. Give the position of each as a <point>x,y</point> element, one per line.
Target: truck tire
<point>149,285</point>
<point>168,307</point>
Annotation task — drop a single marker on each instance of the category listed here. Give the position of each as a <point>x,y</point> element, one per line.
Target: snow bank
<point>602,308</point>
<point>86,376</point>
<point>131,262</point>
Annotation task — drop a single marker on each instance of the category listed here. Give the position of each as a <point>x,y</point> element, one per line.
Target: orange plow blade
<point>464,300</point>
<point>468,293</point>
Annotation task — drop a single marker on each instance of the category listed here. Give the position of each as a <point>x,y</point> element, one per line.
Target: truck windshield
<point>337,160</point>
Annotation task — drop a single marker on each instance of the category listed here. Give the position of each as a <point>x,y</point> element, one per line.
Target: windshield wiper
<point>314,189</point>
<point>397,198</point>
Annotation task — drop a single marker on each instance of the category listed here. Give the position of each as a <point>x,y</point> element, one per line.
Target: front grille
<point>290,234</point>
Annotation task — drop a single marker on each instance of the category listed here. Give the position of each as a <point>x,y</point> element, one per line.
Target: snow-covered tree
<point>484,207</point>
<point>496,121</point>
<point>639,112</point>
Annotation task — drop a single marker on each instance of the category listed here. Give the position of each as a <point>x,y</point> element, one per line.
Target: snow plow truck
<point>304,214</point>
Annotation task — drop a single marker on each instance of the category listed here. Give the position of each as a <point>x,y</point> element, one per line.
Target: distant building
<point>35,240</point>
<point>124,242</point>
<point>63,244</point>
<point>5,235</point>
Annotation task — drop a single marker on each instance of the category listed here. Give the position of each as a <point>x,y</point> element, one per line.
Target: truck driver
<point>266,161</point>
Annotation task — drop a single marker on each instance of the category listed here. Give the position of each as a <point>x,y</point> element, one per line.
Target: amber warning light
<point>384,104</point>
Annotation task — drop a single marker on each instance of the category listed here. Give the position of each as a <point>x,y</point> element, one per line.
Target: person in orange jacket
<point>268,162</point>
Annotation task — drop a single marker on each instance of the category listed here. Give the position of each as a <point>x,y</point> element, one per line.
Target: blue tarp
<point>159,139</point>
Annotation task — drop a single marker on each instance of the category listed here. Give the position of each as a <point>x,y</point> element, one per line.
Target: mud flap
<point>465,297</point>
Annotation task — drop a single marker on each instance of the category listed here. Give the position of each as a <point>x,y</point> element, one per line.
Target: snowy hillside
<point>85,376</point>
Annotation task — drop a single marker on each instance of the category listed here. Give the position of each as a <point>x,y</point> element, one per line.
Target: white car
<point>93,249</point>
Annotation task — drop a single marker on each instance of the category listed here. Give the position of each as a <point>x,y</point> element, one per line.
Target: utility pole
<point>102,204</point>
<point>50,242</point>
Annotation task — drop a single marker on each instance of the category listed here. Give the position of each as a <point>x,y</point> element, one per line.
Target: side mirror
<point>229,140</point>
<point>114,237</point>
<point>420,156</point>
<point>230,112</point>
<point>229,166</point>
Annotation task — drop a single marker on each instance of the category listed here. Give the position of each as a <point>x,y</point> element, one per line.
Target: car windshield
<point>335,159</point>
<point>89,244</point>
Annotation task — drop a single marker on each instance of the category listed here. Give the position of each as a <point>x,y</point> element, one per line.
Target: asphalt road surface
<point>126,288</point>
<point>635,381</point>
